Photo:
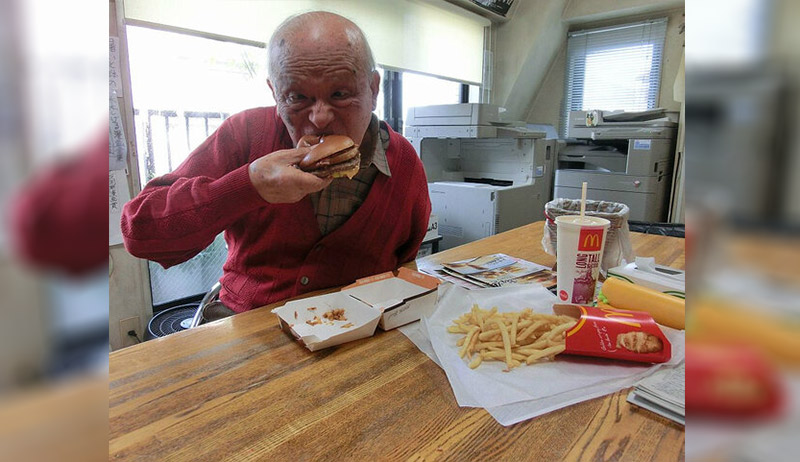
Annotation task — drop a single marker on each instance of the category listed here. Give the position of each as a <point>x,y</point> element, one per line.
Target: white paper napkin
<point>526,391</point>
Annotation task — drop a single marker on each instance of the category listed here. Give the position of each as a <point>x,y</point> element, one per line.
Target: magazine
<point>496,270</point>
<point>663,393</point>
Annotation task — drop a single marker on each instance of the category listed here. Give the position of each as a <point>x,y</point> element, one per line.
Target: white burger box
<point>387,299</point>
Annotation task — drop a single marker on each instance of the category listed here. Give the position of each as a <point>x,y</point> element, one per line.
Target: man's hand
<point>278,181</point>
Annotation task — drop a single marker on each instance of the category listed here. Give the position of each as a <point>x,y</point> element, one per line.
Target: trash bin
<point>618,242</point>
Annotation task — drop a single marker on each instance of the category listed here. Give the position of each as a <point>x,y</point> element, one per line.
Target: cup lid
<point>586,220</point>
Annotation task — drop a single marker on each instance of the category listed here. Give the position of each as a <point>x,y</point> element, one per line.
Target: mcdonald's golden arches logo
<point>590,239</point>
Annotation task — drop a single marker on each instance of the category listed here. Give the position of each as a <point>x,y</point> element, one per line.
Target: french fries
<point>514,338</point>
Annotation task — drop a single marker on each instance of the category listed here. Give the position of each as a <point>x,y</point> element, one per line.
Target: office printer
<point>624,156</point>
<point>486,174</point>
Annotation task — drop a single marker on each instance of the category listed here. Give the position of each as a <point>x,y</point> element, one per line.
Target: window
<point>614,68</point>
<point>183,88</point>
<point>422,90</point>
<point>402,90</point>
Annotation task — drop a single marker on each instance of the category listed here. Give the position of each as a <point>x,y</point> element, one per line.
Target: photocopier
<point>486,173</point>
<point>623,156</point>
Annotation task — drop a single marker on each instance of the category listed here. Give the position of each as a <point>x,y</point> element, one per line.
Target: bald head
<point>318,32</point>
<point>322,76</point>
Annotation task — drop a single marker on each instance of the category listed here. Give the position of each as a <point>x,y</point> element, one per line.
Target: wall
<point>129,283</point>
<point>524,49</point>
<point>530,50</point>
<point>530,55</point>
<point>547,102</point>
<point>583,11</point>
<point>546,106</point>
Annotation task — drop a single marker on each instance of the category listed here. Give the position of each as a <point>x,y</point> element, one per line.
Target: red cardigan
<point>275,251</point>
<point>58,218</point>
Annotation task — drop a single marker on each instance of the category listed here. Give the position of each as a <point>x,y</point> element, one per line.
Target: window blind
<point>614,68</point>
<point>435,39</point>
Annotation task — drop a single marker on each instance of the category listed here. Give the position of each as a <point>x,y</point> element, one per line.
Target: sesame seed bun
<point>331,156</point>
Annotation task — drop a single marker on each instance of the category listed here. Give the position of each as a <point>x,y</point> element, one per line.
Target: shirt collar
<point>379,160</point>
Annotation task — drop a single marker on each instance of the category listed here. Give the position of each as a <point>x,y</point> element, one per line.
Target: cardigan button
<point>304,280</point>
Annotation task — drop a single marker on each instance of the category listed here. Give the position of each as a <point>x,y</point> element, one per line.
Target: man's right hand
<point>278,181</point>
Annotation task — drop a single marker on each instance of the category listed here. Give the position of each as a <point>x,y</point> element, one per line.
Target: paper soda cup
<point>579,251</point>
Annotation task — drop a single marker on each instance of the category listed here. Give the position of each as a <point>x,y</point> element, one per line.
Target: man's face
<point>324,93</point>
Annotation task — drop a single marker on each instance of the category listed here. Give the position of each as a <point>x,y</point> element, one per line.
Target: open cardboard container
<point>387,299</point>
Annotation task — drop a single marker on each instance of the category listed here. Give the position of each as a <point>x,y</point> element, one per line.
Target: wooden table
<point>241,389</point>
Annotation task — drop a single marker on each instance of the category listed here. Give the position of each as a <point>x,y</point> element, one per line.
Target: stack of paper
<point>496,270</point>
<point>663,393</point>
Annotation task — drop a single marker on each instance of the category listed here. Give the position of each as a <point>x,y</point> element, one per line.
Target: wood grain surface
<point>241,389</point>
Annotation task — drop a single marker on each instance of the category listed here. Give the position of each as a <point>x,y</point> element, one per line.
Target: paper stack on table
<point>495,270</point>
<point>526,391</point>
<point>663,393</point>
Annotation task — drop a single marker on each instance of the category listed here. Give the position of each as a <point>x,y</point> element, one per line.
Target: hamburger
<point>331,156</point>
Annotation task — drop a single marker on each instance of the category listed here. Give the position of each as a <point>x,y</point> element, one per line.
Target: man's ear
<point>375,86</point>
<point>272,89</point>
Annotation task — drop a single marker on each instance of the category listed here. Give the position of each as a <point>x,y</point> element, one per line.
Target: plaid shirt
<point>336,203</point>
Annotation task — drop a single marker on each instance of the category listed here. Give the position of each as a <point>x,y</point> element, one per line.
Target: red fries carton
<point>614,333</point>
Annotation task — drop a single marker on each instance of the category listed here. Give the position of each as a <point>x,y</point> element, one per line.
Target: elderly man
<point>289,232</point>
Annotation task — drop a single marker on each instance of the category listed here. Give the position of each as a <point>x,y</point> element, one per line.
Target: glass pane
<point>474,94</point>
<point>422,90</point>
<point>214,123</point>
<point>160,144</point>
<point>183,88</point>
<point>181,76</point>
<point>196,127</point>
<point>379,109</point>
<point>192,277</point>
<point>618,79</point>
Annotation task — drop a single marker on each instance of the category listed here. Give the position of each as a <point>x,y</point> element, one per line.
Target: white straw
<point>583,199</point>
